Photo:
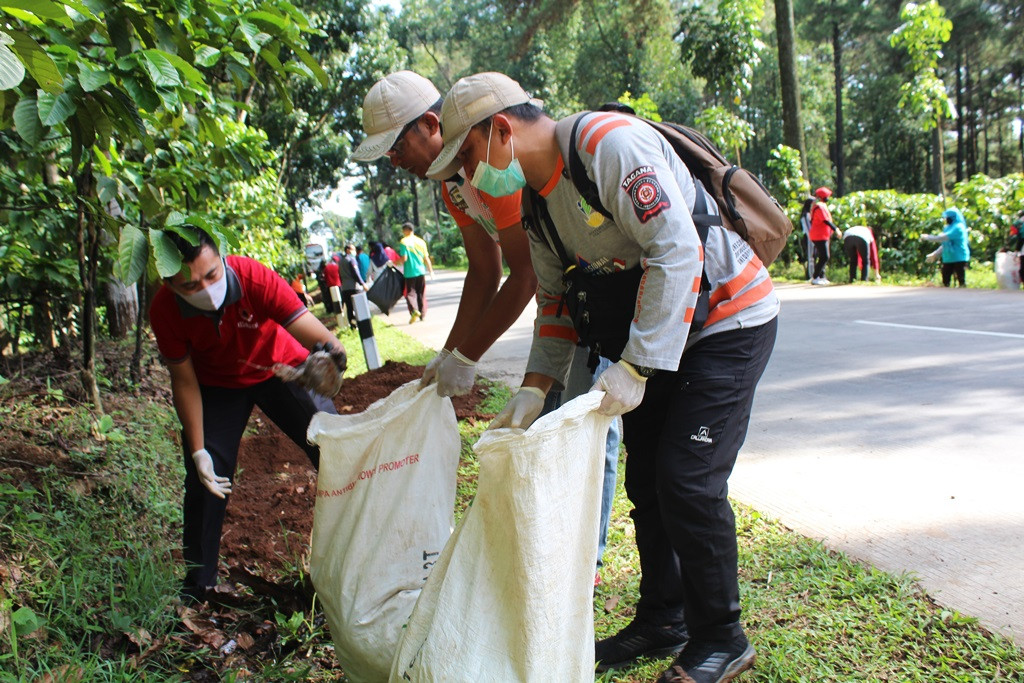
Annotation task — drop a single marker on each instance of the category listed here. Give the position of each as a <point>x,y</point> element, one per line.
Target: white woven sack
<point>1007,269</point>
<point>511,597</point>
<point>384,510</point>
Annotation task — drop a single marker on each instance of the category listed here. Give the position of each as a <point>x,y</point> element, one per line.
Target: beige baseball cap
<point>471,100</point>
<point>392,103</point>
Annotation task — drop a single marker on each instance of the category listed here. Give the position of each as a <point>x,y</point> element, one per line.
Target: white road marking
<point>942,329</point>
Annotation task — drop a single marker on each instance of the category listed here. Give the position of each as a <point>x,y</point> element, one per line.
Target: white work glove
<point>623,389</point>
<point>934,256</point>
<point>218,486</point>
<point>455,375</point>
<point>521,411</point>
<point>929,238</point>
<point>431,370</point>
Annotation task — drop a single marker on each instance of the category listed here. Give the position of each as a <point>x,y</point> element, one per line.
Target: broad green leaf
<point>314,66</point>
<point>269,55</point>
<point>102,161</point>
<point>132,254</point>
<point>91,77</point>
<point>117,29</point>
<point>161,71</point>
<point>184,8</point>
<point>54,109</point>
<point>207,56</point>
<point>254,37</point>
<point>106,189</point>
<point>166,255</point>
<point>142,95</point>
<point>12,71</point>
<point>26,121</point>
<point>174,218</point>
<point>100,121</point>
<point>40,8</point>
<point>38,63</point>
<point>26,621</point>
<point>273,21</point>
<point>189,71</point>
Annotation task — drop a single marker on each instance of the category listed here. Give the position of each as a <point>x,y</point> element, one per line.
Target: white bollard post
<point>336,298</point>
<point>370,351</point>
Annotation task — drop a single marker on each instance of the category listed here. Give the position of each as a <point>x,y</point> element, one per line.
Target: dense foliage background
<point>119,121</point>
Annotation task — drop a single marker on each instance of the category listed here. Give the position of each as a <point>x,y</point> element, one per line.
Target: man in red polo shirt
<point>220,325</point>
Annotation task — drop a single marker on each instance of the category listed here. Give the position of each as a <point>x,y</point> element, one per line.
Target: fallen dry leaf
<point>611,603</point>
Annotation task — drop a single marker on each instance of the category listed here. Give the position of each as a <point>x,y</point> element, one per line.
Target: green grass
<point>92,564</point>
<point>979,275</point>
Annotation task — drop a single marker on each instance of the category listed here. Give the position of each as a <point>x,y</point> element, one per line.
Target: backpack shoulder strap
<point>536,209</point>
<point>578,173</point>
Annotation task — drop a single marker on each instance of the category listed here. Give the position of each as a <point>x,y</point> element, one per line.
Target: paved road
<point>889,424</point>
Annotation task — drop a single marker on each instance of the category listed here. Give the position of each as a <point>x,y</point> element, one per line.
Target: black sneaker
<point>711,662</point>
<point>639,639</point>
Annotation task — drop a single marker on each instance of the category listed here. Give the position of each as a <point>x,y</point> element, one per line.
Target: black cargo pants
<point>681,445</point>
<point>225,414</point>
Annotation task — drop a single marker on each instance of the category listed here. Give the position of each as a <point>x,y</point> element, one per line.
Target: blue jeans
<point>579,382</point>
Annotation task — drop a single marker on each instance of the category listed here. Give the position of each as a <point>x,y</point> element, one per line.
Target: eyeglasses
<point>397,148</point>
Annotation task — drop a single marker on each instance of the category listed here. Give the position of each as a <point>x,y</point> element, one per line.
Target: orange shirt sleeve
<point>462,219</point>
<point>505,210</point>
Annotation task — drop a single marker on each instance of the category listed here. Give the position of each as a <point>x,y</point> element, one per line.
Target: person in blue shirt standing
<point>953,241</point>
<point>363,259</point>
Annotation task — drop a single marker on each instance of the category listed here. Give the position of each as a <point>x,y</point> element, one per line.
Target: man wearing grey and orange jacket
<point>685,395</point>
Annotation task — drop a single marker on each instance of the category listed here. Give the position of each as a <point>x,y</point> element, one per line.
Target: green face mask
<point>498,182</point>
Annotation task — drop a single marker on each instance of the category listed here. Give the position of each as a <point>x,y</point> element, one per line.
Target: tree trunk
<point>971,141</point>
<point>938,160</point>
<point>88,253</point>
<point>415,200</point>
<point>434,199</point>
<point>792,127</point>
<point>960,115</point>
<point>135,371</point>
<point>122,307</point>
<point>837,68</point>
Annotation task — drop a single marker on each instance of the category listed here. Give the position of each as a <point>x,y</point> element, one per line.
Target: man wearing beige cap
<point>400,118</point>
<point>683,379</point>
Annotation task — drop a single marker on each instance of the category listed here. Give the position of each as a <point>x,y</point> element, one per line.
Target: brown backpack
<point>746,207</point>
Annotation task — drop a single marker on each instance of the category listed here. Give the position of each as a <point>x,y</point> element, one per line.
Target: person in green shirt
<point>415,261</point>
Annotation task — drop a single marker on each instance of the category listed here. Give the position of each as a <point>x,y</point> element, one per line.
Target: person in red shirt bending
<point>821,231</point>
<point>220,325</point>
<point>332,276</point>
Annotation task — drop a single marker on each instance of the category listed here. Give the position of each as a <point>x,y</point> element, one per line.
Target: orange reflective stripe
<point>730,288</point>
<point>550,309</point>
<point>751,296</point>
<point>593,122</point>
<point>602,131</point>
<point>688,317</point>
<point>696,285</point>
<point>558,332</point>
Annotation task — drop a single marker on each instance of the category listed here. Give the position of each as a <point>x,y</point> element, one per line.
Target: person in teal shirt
<point>955,251</point>
<point>415,261</point>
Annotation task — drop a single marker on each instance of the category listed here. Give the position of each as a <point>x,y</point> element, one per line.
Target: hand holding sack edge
<point>430,371</point>
<point>218,486</point>
<point>521,411</point>
<point>455,375</point>
<point>623,387</point>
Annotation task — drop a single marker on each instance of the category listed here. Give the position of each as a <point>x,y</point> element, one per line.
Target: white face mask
<point>211,297</point>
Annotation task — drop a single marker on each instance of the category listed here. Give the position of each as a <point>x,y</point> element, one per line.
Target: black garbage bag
<point>387,288</point>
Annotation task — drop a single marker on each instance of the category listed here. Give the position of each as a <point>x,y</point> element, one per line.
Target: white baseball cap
<point>471,100</point>
<point>392,103</point>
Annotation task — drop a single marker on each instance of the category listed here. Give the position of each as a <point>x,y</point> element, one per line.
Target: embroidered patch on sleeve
<point>644,190</point>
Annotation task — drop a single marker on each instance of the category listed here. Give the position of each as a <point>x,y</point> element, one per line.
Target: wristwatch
<point>644,371</point>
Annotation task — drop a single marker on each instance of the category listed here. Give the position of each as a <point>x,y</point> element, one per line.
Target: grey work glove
<point>430,371</point>
<point>218,486</point>
<point>455,375</point>
<point>521,411</point>
<point>623,389</point>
